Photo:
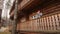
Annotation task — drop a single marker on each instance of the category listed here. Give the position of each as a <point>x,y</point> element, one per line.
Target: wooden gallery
<point>37,16</point>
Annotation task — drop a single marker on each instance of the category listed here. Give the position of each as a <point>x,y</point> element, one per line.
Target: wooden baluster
<point>40,24</point>
<point>28,25</point>
<point>45,22</point>
<point>31,25</point>
<point>50,23</point>
<point>53,21</point>
<point>57,22</point>
<point>24,26</point>
<point>36,24</point>
<point>20,26</point>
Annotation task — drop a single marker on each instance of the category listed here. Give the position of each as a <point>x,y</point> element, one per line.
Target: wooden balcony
<point>46,23</point>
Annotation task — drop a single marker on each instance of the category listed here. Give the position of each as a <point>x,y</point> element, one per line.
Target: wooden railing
<point>51,22</point>
<point>46,23</point>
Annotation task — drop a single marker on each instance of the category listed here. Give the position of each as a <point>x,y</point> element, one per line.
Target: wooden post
<point>15,18</point>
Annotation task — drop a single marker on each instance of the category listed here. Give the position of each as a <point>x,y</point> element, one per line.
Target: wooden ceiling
<point>28,9</point>
<point>40,4</point>
<point>49,6</point>
<point>34,6</point>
